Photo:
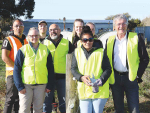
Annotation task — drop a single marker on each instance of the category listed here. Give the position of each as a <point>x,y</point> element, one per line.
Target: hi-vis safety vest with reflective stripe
<point>34,68</point>
<point>58,54</point>
<point>15,45</point>
<point>132,55</point>
<point>88,67</point>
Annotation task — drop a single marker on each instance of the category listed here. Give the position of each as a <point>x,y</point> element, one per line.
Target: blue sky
<point>90,9</point>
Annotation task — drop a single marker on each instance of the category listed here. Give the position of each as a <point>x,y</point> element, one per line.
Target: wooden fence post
<point>72,101</point>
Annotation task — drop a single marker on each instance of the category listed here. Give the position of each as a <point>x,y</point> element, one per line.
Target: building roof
<point>68,21</point>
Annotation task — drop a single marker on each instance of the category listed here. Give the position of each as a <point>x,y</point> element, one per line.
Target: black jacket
<point>105,66</point>
<point>144,59</point>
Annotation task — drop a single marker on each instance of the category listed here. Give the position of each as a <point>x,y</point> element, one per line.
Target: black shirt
<point>6,44</point>
<point>75,40</point>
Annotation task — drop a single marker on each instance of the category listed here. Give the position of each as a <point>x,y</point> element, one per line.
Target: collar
<point>124,38</point>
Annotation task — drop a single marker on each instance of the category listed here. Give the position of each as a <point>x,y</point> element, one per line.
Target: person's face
<point>78,27</point>
<point>54,31</point>
<point>18,28</point>
<point>120,26</point>
<point>42,28</point>
<point>33,36</point>
<point>92,28</point>
<point>87,41</point>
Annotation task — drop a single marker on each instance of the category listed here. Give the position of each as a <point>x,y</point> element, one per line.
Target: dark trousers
<point>12,98</point>
<point>123,84</point>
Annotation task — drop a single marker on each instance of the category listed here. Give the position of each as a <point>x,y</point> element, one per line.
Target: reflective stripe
<point>9,68</point>
<point>15,46</point>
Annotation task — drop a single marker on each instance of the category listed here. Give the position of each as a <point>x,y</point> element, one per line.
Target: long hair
<point>76,20</point>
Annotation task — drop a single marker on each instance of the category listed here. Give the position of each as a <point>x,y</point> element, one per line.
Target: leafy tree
<point>11,9</point>
<point>112,16</point>
<point>133,23</point>
<point>146,21</point>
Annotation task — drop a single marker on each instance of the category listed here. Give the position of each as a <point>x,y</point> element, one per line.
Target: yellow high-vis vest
<point>92,66</point>
<point>132,55</point>
<point>70,37</point>
<point>34,69</point>
<point>58,54</point>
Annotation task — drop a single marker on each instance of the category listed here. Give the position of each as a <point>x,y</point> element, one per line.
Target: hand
<point>47,90</point>
<point>23,91</point>
<point>86,80</point>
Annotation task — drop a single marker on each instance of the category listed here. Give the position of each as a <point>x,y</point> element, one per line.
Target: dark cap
<point>42,21</point>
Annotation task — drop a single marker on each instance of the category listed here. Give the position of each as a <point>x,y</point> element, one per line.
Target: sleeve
<point>74,68</point>
<point>17,70</point>
<point>144,58</point>
<point>106,68</point>
<point>98,44</point>
<point>50,68</point>
<point>71,48</point>
<point>6,44</point>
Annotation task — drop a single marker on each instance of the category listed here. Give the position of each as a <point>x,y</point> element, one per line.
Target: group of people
<point>36,67</point>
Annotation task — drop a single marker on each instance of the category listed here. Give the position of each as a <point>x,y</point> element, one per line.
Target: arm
<point>6,48</point>
<point>106,69</point>
<point>76,74</point>
<point>144,59</point>
<point>71,48</point>
<point>74,68</point>
<point>17,71</point>
<point>6,58</point>
<point>50,68</point>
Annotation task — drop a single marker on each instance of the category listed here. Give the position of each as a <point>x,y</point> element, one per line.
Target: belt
<point>121,73</point>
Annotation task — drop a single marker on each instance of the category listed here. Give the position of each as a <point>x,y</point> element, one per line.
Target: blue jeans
<point>92,105</point>
<point>123,84</point>
<point>61,91</point>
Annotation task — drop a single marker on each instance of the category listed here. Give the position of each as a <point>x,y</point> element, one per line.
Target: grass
<point>2,81</point>
<point>144,90</point>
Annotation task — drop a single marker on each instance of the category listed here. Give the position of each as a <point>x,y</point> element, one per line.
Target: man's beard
<point>54,37</point>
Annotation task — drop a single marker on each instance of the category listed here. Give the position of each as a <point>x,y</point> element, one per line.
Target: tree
<point>134,23</point>
<point>11,9</point>
<point>112,16</point>
<point>146,21</point>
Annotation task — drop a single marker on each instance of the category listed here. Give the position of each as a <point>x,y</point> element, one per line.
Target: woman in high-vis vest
<point>33,73</point>
<point>77,29</point>
<point>91,67</point>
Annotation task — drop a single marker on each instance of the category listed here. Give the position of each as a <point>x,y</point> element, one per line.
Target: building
<point>100,24</point>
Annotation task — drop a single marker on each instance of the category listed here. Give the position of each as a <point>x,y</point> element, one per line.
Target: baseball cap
<point>42,21</point>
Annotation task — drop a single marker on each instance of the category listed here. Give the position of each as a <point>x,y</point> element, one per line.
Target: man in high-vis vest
<point>10,46</point>
<point>42,27</point>
<point>59,48</point>
<point>129,59</point>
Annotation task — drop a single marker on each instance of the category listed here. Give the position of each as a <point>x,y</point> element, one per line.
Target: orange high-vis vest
<point>15,45</point>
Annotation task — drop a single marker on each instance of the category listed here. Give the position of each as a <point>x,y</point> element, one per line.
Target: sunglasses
<point>85,40</point>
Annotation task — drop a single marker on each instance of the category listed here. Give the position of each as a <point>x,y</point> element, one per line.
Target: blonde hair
<point>76,20</point>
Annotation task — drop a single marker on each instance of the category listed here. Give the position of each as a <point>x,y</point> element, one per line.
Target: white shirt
<point>120,54</point>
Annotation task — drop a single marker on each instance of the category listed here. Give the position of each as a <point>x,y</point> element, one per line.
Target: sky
<point>90,9</point>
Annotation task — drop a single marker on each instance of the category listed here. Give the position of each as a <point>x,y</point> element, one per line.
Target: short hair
<point>18,20</point>
<point>76,20</point>
<point>90,23</point>
<point>86,30</point>
<point>118,17</point>
<point>32,28</point>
